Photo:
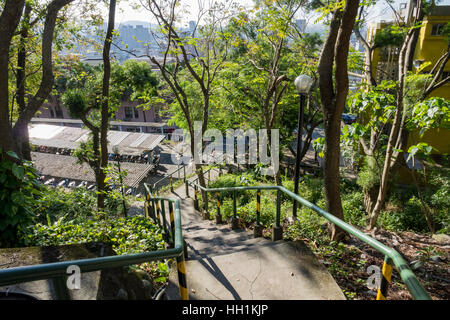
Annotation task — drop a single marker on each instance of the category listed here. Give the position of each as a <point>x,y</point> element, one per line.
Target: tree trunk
<point>335,54</point>
<point>20,131</point>
<point>396,129</point>
<point>105,107</point>
<point>9,20</point>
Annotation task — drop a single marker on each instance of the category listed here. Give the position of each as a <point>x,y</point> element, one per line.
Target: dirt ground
<point>427,256</point>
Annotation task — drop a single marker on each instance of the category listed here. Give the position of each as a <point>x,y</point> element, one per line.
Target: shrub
<point>309,226</point>
<point>55,204</point>
<point>19,187</point>
<point>126,235</point>
<point>353,206</point>
<point>410,217</point>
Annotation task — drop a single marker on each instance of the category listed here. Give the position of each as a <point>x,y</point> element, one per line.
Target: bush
<point>309,226</point>
<point>125,235</point>
<point>353,206</point>
<point>268,211</point>
<point>73,206</point>
<point>57,204</point>
<point>19,187</point>
<point>409,218</point>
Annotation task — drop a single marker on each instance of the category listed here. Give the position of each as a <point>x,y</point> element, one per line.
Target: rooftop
<point>59,166</point>
<point>128,143</point>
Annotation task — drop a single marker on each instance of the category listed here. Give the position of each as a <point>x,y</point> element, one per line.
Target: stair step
<point>219,247</point>
<point>275,271</point>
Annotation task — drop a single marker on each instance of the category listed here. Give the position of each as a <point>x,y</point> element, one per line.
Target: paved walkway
<point>228,264</point>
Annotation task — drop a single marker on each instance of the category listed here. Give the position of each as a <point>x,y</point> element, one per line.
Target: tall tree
<point>16,136</point>
<point>200,55</point>
<point>9,20</point>
<point>105,112</point>
<point>333,92</point>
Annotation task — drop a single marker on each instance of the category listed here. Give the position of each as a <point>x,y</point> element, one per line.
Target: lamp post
<point>116,151</point>
<point>303,84</point>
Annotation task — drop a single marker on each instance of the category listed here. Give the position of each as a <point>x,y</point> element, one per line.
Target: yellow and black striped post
<point>218,215</point>
<point>158,213</point>
<point>386,275</point>
<point>182,283</point>
<point>172,224</point>
<point>258,229</point>
<point>258,207</point>
<point>171,184</point>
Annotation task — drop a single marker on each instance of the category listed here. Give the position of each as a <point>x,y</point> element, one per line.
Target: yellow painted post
<point>146,209</point>
<point>386,275</point>
<point>218,214</point>
<point>182,283</point>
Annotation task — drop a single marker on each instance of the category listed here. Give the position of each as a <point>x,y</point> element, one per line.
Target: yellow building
<point>431,45</point>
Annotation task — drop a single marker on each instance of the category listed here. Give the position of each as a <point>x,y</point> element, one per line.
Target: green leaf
<point>18,171</point>
<point>12,155</point>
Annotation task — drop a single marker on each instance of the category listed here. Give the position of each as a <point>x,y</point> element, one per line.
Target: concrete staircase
<point>226,264</point>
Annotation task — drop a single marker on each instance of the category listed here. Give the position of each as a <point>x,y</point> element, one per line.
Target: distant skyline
<point>126,13</point>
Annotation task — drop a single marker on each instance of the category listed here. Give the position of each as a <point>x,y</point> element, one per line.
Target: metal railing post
<point>206,207</point>
<point>60,287</point>
<point>182,283</point>
<point>257,231</point>
<point>187,188</point>
<point>196,198</point>
<point>171,183</point>
<point>386,275</point>
<point>234,220</point>
<point>172,225</point>
<point>158,213</point>
<point>218,215</point>
<point>184,172</point>
<point>277,230</point>
<point>164,220</point>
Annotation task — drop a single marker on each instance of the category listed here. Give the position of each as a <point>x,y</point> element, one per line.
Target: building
<point>53,146</point>
<point>129,117</point>
<point>430,46</point>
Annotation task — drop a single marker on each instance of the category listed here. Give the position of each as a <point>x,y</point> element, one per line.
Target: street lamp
<point>303,84</point>
<point>116,152</point>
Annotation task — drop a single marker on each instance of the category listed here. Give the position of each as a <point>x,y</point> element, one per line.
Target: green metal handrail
<point>57,271</point>
<point>391,255</point>
<point>170,177</point>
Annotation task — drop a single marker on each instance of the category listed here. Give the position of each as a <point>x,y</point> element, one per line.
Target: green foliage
<point>410,217</point>
<point>310,226</point>
<point>55,204</point>
<point>404,210</point>
<point>431,113</point>
<point>18,193</point>
<point>247,212</point>
<point>126,235</point>
<point>353,206</point>
<point>390,36</point>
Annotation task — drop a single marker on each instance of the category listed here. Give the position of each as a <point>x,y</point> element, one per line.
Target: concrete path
<point>226,264</point>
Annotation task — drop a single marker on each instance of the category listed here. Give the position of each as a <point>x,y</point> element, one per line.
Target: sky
<point>125,11</point>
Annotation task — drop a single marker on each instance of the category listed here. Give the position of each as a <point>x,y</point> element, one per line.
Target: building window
<point>52,114</point>
<point>128,113</point>
<point>136,113</point>
<point>437,29</point>
<point>133,130</point>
